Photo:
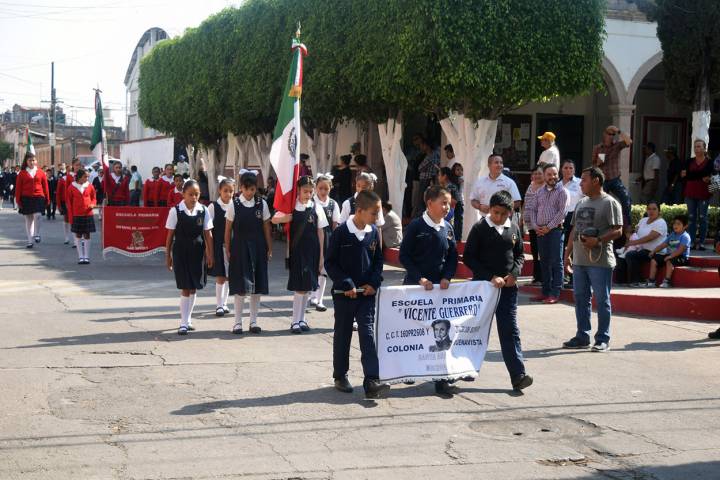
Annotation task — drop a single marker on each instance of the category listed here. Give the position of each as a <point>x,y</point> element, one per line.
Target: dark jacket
<point>489,254</point>
<point>351,263</point>
<point>428,253</point>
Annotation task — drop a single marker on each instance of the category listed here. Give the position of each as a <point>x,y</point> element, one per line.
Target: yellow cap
<point>547,136</point>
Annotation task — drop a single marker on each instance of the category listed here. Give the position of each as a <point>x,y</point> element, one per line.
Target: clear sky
<point>91,43</point>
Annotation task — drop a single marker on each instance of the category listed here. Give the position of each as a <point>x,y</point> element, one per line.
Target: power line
<point>20,79</point>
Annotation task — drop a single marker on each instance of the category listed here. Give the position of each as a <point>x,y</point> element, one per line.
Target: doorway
<point>569,130</point>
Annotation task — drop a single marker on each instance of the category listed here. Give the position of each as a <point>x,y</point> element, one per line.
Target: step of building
<point>678,303</point>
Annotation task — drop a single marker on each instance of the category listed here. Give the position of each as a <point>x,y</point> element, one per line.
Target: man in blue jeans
<point>606,156</point>
<point>546,217</point>
<point>597,222</point>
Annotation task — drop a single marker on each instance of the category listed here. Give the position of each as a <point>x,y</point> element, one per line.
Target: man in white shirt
<point>551,154</point>
<point>494,182</point>
<point>650,173</point>
<point>182,167</point>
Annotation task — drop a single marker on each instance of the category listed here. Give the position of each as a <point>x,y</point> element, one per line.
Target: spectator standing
<point>392,229</point>
<point>537,180</point>
<point>52,188</point>
<point>204,186</point>
<point>673,194</point>
<point>99,187</point>
<point>342,180</point>
<point>697,172</point>
<point>450,155</point>
<point>651,232</point>
<point>650,173</point>
<point>182,167</point>
<point>428,170</point>
<point>547,215</point>
<point>136,186</point>
<point>305,170</point>
<point>596,223</point>
<point>551,154</point>
<point>606,156</point>
<point>457,170</point>
<point>494,182</point>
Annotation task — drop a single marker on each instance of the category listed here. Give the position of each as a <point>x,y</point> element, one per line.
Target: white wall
<point>146,154</point>
<point>629,45</point>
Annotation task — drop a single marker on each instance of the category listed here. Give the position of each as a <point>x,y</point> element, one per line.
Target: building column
<point>622,115</point>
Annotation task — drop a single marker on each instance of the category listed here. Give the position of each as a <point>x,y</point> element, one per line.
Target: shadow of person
<point>323,395</point>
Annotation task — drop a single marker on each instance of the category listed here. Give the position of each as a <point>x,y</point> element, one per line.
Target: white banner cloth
<point>433,335</point>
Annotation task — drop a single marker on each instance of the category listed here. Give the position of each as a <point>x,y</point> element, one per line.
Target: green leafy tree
<point>7,152</point>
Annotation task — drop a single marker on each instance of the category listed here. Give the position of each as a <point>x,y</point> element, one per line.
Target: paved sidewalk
<point>97,384</point>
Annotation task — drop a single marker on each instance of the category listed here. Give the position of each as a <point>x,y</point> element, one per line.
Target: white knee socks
<point>79,247</point>
<point>254,304</point>
<point>191,307</point>
<point>86,248</point>
<point>239,305</point>
<point>66,229</point>
<point>225,293</point>
<point>36,224</point>
<point>29,225</point>
<point>184,311</point>
<point>219,294</point>
<point>299,303</point>
<point>320,292</point>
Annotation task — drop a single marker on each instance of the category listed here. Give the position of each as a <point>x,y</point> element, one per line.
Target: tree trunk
<point>325,146</point>
<point>701,115</point>
<point>259,149</point>
<point>192,158</point>
<point>394,159</point>
<point>473,143</point>
<point>310,146</point>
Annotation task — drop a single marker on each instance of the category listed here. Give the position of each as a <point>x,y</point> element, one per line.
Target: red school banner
<point>134,231</point>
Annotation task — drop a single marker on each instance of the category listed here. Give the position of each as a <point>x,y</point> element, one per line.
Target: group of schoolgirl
<point>163,190</point>
<point>74,195</point>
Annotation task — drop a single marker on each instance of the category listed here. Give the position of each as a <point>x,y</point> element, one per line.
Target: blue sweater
<point>428,253</point>
<point>352,263</point>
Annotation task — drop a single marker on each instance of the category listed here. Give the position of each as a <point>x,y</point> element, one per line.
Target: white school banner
<point>436,334</point>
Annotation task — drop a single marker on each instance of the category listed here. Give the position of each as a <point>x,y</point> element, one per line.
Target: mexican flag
<point>30,147</point>
<point>285,150</point>
<point>97,143</point>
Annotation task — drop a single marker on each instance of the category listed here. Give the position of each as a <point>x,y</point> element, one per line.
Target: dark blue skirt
<point>83,224</point>
<point>31,205</point>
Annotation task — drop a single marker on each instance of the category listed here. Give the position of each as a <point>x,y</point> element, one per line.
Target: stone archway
<point>641,73</point>
<point>614,83</point>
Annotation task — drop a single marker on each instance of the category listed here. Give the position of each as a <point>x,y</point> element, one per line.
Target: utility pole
<point>53,103</point>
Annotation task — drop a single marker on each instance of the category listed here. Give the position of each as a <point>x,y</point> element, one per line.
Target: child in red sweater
<point>31,196</point>
<point>81,201</point>
<point>176,196</point>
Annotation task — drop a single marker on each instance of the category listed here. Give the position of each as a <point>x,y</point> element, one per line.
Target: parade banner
<point>436,334</point>
<point>134,231</point>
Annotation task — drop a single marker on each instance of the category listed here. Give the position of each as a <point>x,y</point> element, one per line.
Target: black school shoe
<point>295,328</point>
<point>521,382</point>
<point>445,389</point>
<point>374,389</point>
<point>29,245</point>
<point>255,329</point>
<point>343,385</point>
<point>715,335</point>
<point>576,344</point>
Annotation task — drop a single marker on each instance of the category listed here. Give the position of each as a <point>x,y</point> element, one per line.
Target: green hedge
<point>668,212</point>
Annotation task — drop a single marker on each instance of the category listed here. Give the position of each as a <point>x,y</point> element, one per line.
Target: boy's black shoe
<point>521,382</point>
<point>343,385</point>
<point>576,343</point>
<point>445,389</point>
<point>715,335</point>
<point>321,308</point>
<point>374,389</point>
<point>255,329</point>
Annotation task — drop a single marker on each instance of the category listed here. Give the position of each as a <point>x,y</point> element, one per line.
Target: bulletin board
<point>514,140</point>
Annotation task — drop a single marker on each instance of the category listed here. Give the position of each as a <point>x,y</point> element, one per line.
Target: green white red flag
<point>285,150</point>
<point>98,140</point>
<point>30,147</point>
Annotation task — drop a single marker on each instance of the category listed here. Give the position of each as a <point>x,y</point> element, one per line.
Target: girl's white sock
<point>66,230</point>
<point>86,249</point>
<point>36,224</point>
<point>191,307</point>
<point>184,311</point>
<point>320,292</point>
<point>29,227</point>
<point>239,304</point>
<point>298,307</point>
<point>254,304</point>
<point>78,247</point>
<point>225,293</point>
<point>304,299</point>
<point>219,294</point>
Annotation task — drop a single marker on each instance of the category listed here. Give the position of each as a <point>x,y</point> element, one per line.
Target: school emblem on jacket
<point>311,219</point>
<point>199,221</point>
<point>373,246</point>
<point>514,239</point>
<point>450,235</point>
<point>258,214</point>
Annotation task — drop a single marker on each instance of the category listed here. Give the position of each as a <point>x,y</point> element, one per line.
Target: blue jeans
<point>697,214</point>
<point>586,282</point>
<point>551,261</point>
<point>615,187</point>
<point>506,318</point>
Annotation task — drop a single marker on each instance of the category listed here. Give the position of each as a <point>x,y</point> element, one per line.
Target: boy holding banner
<point>354,262</point>
<point>494,253</point>
<point>429,252</point>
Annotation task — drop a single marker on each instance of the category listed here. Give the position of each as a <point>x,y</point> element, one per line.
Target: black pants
<point>537,271</point>
<point>134,198</point>
<point>458,220</point>
<point>506,319</point>
<point>51,208</point>
<point>361,310</point>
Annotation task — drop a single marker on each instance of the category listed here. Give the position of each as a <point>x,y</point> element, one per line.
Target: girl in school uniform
<point>81,201</point>
<point>307,232</point>
<point>188,247</point>
<point>69,179</point>
<point>31,196</point>
<point>175,196</point>
<point>364,181</point>
<point>248,243</point>
<point>150,189</point>
<point>323,185</point>
<point>219,270</point>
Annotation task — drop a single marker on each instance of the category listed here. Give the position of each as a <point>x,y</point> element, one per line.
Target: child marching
<point>248,245</point>
<point>323,185</point>
<point>166,185</point>
<point>354,261</point>
<point>31,196</point>
<point>429,252</point>
<point>81,201</point>
<point>189,246</point>
<point>151,188</point>
<point>307,224</point>
<point>60,200</point>
<point>219,270</point>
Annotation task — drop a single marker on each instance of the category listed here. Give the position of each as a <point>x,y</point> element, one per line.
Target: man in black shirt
<point>494,253</point>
